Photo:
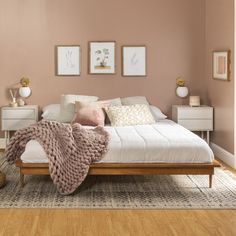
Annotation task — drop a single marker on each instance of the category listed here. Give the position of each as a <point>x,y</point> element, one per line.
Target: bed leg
<point>210,181</point>
<point>22,179</point>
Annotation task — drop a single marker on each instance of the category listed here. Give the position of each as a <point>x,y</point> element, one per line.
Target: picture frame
<point>68,60</point>
<point>134,60</point>
<point>102,57</point>
<point>221,65</point>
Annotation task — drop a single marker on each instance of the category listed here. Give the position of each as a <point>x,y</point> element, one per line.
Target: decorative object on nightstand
<point>181,91</point>
<point>194,118</point>
<point>21,102</point>
<point>13,93</point>
<point>24,90</point>
<point>194,101</point>
<point>14,118</point>
<point>2,179</point>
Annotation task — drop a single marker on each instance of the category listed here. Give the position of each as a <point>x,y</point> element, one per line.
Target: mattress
<point>162,142</point>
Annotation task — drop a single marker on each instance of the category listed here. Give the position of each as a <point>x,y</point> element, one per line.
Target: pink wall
<point>179,35</point>
<point>173,31</point>
<point>220,36</point>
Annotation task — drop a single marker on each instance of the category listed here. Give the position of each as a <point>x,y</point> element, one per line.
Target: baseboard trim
<point>2,143</point>
<point>224,155</point>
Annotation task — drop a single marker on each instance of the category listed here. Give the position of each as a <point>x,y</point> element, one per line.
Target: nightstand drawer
<point>16,124</point>
<point>18,114</point>
<point>197,125</point>
<point>195,113</point>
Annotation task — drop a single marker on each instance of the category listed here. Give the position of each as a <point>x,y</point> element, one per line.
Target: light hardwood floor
<point>117,222</point>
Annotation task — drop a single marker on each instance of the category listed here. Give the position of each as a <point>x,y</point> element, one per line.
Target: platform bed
<point>128,169</point>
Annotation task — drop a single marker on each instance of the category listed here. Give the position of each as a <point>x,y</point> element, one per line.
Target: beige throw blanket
<point>70,149</point>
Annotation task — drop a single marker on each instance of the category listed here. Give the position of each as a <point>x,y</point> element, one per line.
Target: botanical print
<point>68,60</point>
<point>221,62</point>
<point>134,61</point>
<point>102,58</point>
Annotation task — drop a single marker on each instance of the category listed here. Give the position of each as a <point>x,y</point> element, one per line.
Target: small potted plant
<point>182,90</point>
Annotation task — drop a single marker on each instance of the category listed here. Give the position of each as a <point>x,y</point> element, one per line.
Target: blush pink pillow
<point>90,113</point>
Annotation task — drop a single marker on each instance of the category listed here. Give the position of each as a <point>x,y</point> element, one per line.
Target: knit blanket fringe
<point>70,150</point>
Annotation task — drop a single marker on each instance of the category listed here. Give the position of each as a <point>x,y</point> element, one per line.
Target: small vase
<point>182,92</point>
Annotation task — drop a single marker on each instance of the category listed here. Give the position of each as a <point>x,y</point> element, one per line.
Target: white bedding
<point>164,141</point>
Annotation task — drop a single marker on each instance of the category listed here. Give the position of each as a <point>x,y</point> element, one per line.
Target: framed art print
<point>68,60</point>
<point>221,65</point>
<point>102,57</point>
<point>134,61</point>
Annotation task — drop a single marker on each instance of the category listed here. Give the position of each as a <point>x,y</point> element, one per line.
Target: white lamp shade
<point>182,92</point>
<point>194,101</point>
<point>24,92</point>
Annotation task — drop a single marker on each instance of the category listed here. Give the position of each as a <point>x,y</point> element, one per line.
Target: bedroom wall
<point>220,36</point>
<point>172,30</point>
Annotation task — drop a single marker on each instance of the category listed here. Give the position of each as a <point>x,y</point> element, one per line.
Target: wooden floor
<point>117,222</point>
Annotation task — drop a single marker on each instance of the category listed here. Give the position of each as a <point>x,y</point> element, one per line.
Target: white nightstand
<point>194,118</point>
<point>14,118</point>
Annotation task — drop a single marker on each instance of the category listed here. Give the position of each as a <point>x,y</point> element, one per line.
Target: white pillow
<point>134,100</point>
<point>115,102</point>
<point>157,114</point>
<point>68,105</point>
<point>139,114</point>
<point>51,112</point>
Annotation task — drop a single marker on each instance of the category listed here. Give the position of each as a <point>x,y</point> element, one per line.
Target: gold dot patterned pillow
<point>139,114</point>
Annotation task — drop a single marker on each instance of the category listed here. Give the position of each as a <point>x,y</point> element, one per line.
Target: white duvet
<point>164,141</point>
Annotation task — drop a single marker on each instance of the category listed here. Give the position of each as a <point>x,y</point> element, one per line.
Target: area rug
<point>146,192</point>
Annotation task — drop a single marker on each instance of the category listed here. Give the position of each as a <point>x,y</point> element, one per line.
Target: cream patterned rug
<point>150,192</point>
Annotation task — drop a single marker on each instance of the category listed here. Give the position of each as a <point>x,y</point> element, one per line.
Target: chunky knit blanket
<point>70,149</point>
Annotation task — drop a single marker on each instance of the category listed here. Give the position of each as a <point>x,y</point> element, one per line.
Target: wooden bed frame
<point>128,169</point>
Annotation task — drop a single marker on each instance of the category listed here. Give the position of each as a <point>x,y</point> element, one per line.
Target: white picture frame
<point>221,65</point>
<point>102,57</point>
<point>68,60</point>
<point>134,60</point>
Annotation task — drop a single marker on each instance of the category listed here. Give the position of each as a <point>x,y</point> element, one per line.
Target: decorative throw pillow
<point>113,102</point>
<point>67,108</point>
<point>90,113</point>
<point>130,115</point>
<point>134,100</point>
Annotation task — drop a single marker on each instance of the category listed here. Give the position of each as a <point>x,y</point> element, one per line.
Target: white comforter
<point>164,141</point>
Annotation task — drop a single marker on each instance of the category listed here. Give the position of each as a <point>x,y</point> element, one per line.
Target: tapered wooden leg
<point>22,179</point>
<point>210,181</point>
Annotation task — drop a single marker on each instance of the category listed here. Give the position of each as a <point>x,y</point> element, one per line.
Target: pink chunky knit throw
<point>70,149</point>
